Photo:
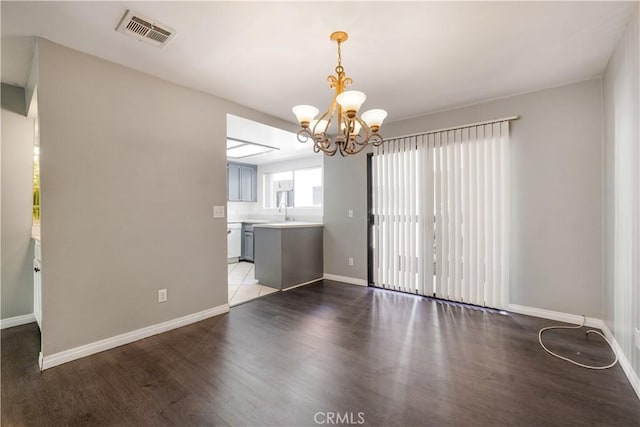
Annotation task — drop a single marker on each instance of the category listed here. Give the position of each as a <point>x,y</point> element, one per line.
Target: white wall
<point>556,154</point>
<point>17,204</point>
<point>622,192</point>
<point>131,168</point>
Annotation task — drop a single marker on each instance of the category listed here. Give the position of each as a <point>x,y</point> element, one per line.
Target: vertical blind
<point>440,205</point>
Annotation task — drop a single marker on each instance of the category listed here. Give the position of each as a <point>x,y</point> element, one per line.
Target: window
<point>307,188</point>
<point>301,188</point>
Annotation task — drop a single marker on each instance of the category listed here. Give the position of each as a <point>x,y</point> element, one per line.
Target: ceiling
<point>286,143</point>
<point>409,58</point>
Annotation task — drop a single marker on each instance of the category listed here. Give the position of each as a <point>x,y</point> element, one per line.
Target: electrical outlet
<point>637,334</point>
<point>350,213</point>
<point>351,262</point>
<point>162,295</point>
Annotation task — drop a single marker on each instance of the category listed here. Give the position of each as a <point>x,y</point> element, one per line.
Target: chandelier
<point>352,133</point>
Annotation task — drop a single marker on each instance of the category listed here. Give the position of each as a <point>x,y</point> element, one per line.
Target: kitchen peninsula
<point>288,254</point>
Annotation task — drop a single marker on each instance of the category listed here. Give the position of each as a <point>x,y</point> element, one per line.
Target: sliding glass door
<point>439,215</point>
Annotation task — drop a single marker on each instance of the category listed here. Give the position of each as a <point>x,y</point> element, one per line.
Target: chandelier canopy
<point>352,133</point>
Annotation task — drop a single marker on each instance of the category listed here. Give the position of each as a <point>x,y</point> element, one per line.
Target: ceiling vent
<point>145,29</point>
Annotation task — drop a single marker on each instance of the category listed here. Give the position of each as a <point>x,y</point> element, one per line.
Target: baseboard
<point>624,362</point>
<point>10,322</point>
<point>302,284</point>
<point>129,337</point>
<point>345,279</point>
<point>591,322</point>
<point>555,315</point>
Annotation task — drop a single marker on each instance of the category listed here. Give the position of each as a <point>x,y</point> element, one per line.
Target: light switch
<point>218,211</point>
<point>350,213</point>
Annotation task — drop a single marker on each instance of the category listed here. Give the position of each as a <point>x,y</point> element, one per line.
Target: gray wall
<point>17,188</point>
<point>556,212</point>
<point>131,167</point>
<point>622,192</point>
<point>345,187</point>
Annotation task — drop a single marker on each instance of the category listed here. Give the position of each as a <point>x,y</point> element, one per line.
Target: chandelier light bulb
<point>374,118</point>
<point>356,127</point>
<point>304,114</point>
<point>350,101</point>
<point>318,126</point>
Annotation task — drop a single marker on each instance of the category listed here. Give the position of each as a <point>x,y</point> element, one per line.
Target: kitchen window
<point>300,188</point>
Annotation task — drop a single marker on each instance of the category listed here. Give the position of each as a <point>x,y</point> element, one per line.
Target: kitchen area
<point>274,211</point>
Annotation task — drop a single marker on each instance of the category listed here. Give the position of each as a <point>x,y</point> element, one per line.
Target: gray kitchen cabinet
<point>233,183</point>
<point>248,246</point>
<point>288,255</point>
<point>248,243</point>
<point>242,181</point>
<point>248,183</point>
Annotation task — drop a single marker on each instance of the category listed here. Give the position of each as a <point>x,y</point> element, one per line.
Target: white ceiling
<point>410,58</point>
<point>287,144</point>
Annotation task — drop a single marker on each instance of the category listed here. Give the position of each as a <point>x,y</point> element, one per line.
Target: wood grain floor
<point>399,359</point>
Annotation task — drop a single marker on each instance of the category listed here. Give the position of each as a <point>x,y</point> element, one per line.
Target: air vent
<point>145,29</point>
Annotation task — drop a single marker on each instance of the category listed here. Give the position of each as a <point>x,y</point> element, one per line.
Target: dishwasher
<point>234,242</point>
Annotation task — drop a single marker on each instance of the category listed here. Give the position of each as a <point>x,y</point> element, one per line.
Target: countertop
<point>248,221</point>
<point>290,224</point>
<point>265,223</point>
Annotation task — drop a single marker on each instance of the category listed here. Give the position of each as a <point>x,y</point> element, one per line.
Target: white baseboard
<point>129,337</point>
<point>17,321</point>
<point>302,284</point>
<point>345,279</point>
<point>555,315</point>
<point>623,360</point>
<point>591,322</point>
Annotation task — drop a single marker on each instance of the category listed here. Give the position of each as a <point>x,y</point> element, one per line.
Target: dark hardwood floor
<point>325,348</point>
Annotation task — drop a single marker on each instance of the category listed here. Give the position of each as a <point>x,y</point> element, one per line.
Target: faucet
<point>283,204</point>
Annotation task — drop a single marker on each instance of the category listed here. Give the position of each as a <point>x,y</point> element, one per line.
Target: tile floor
<point>243,286</point>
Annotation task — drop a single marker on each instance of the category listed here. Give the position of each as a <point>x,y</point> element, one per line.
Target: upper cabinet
<point>233,182</point>
<point>248,181</point>
<point>242,182</point>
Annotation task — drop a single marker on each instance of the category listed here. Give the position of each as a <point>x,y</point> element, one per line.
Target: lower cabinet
<point>299,257</point>
<point>248,243</point>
